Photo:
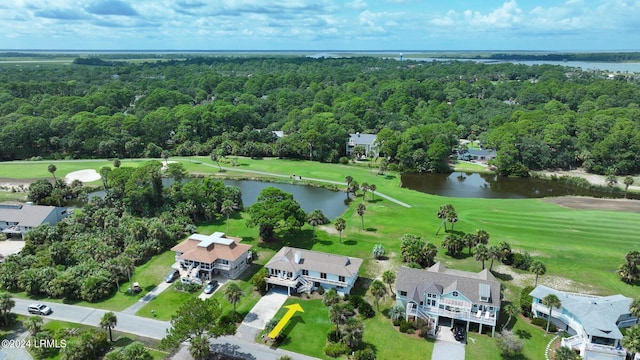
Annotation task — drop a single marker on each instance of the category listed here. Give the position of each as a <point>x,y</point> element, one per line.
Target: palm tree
<point>352,332</point>
<point>315,218</point>
<point>494,254</point>
<point>348,179</point>
<point>446,212</point>
<point>551,301</point>
<point>165,156</point>
<point>373,188</point>
<point>537,267</point>
<point>6,304</point>
<point>482,254</point>
<point>452,217</point>
<point>389,277</point>
<point>482,237</point>
<point>34,324</point>
<point>200,347</point>
<point>634,309</point>
<point>360,210</point>
<point>631,341</point>
<point>510,310</point>
<point>337,315</point>
<point>340,225</point>
<point>378,290</point>
<point>330,297</point>
<point>109,321</point>
<point>365,187</point>
<point>469,240</point>
<point>397,312</point>
<point>227,208</point>
<point>628,181</point>
<point>566,353</point>
<point>233,293</point>
<point>52,169</point>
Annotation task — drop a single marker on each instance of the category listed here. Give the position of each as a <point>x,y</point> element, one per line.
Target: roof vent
<point>297,257</point>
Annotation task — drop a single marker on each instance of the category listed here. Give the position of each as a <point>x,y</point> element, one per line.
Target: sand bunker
<point>86,175</point>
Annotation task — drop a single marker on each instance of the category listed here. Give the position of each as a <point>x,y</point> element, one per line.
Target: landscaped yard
<point>163,306</point>
<point>580,248</point>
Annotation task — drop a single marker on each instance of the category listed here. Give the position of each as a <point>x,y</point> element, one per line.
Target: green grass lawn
<point>166,304</point>
<point>39,169</point>
<point>12,196</point>
<point>306,332</point>
<point>581,248</point>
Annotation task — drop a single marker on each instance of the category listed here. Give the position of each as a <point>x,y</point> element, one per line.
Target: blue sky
<point>320,24</point>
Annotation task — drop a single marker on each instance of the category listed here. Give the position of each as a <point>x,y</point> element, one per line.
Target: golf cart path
<point>306,178</point>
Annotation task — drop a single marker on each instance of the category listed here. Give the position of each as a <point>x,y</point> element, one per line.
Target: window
<point>225,262</point>
<point>455,294</point>
<point>431,302</point>
<point>341,278</point>
<point>403,293</point>
<point>323,275</point>
<point>305,272</point>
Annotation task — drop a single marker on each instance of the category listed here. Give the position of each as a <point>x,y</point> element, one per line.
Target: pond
<point>310,198</point>
<point>491,186</point>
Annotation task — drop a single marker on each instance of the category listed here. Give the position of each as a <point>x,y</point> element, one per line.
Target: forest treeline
<point>536,117</point>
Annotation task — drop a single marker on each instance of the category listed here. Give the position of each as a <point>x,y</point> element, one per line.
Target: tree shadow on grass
<point>350,242</point>
<point>501,276</point>
<point>522,334</point>
<point>371,229</point>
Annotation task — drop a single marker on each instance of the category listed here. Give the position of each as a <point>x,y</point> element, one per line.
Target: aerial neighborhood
<point>302,207</point>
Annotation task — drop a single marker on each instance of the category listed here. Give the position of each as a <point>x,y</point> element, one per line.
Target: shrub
<point>355,300</point>
<point>335,349</point>
<point>258,281</point>
<point>406,327</point>
<point>526,300</point>
<point>344,160</point>
<point>397,322</point>
<point>334,336</point>
<point>285,357</point>
<point>366,310</point>
<point>271,325</point>
<point>508,343</point>
<point>423,327</point>
<point>378,251</point>
<point>542,322</point>
<point>522,261</point>
<point>366,354</point>
<point>320,290</point>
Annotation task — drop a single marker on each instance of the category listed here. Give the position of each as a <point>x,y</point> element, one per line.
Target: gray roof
<point>362,139</point>
<point>314,261</point>
<point>597,314</point>
<point>416,281</point>
<point>481,152</point>
<point>25,215</point>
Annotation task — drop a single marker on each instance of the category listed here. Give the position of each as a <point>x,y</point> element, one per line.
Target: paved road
<point>15,353</point>
<point>446,346</point>
<point>310,179</point>
<point>154,329</point>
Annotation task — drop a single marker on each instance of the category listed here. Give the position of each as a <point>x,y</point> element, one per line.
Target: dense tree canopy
<point>536,117</point>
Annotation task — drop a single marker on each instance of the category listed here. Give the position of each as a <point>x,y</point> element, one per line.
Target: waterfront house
<point>449,297</point>
<point>207,255</point>
<point>305,270</point>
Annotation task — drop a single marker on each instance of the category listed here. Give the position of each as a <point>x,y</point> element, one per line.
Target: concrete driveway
<point>261,314</point>
<point>446,346</point>
<point>9,246</point>
<point>221,281</point>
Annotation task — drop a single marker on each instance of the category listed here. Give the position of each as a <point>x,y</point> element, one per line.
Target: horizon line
<point>314,50</point>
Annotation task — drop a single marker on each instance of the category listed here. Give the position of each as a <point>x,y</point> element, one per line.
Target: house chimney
<point>296,257</point>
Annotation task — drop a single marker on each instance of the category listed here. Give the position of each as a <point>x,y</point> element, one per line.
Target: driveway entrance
<point>261,314</point>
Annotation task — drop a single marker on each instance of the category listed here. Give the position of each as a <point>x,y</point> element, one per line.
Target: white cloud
<point>357,4</point>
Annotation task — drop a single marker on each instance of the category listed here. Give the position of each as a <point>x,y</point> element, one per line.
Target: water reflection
<point>491,186</point>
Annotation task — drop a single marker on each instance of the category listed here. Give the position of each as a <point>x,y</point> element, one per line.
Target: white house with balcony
<point>206,255</point>
<point>367,141</point>
<point>442,295</point>
<point>593,322</point>
<point>305,270</point>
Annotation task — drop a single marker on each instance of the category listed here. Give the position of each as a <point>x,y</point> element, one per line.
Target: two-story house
<point>446,296</point>
<point>17,218</point>
<point>593,322</point>
<point>368,141</point>
<point>305,270</point>
<point>206,255</point>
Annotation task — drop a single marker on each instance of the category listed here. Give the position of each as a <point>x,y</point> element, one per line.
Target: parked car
<point>39,309</point>
<point>211,287</point>
<point>172,275</point>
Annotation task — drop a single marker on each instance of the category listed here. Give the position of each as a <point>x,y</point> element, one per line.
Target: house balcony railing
<point>573,342</point>
<point>222,266</point>
<point>326,281</point>
<point>605,349</point>
<point>276,280</point>
<point>466,315</point>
